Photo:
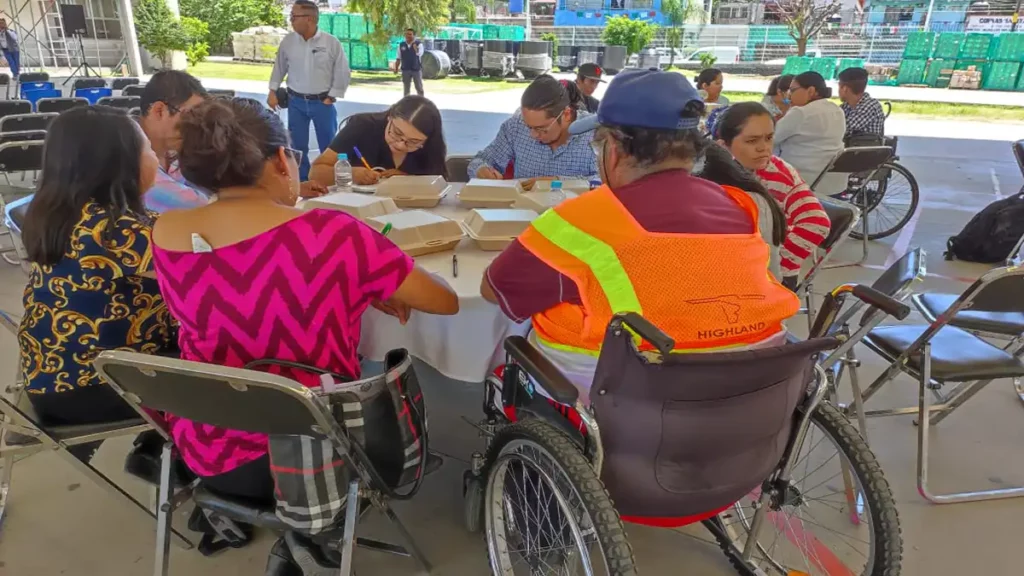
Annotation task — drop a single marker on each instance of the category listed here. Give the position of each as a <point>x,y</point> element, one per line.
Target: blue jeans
<point>325,121</point>
<point>14,61</point>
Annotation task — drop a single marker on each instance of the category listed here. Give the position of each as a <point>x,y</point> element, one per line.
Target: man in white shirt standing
<point>410,54</point>
<point>318,74</point>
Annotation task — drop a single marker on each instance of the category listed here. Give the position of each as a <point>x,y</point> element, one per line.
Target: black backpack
<point>991,234</point>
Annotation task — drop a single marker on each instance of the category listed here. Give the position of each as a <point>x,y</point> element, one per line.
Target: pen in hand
<point>361,158</point>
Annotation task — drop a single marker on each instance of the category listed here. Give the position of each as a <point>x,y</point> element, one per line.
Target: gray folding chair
<point>458,166</point>
<point>122,102</point>
<point>59,105</point>
<point>13,216</point>
<point>843,217</point>
<point>122,83</point>
<point>17,157</point>
<point>22,434</point>
<point>39,121</point>
<point>939,353</point>
<point>257,402</point>
<point>133,90</point>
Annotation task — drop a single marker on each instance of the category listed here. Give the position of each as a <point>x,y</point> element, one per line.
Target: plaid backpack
<point>384,417</point>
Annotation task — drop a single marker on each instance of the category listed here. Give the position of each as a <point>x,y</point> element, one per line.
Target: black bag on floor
<point>992,234</point>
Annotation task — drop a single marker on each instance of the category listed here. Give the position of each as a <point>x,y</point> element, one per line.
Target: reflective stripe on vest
<point>597,255</point>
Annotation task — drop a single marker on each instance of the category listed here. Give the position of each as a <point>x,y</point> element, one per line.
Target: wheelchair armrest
<point>648,331</point>
<point>543,371</point>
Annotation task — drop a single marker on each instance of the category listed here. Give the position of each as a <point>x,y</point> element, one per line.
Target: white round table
<point>466,346</point>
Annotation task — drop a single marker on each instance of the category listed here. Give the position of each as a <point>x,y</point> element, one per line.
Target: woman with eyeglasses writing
<point>405,139</point>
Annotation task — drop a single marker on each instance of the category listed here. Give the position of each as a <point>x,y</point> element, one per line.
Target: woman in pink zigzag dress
<point>251,277</point>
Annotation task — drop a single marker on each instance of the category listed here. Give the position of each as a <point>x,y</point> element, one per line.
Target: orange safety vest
<point>707,291</point>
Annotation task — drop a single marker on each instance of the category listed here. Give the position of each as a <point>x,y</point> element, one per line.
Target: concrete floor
<point>59,523</point>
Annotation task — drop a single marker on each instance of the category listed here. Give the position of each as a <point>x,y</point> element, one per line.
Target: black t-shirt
<point>592,104</point>
<point>366,131</point>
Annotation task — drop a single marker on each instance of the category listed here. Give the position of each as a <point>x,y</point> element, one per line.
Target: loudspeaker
<point>73,16</point>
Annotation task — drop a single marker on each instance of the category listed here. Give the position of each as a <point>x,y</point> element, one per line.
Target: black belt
<point>294,94</point>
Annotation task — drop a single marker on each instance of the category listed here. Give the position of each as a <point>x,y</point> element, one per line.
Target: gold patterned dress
<point>94,299</point>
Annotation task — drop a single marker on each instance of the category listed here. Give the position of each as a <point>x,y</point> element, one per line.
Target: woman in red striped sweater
<point>747,130</point>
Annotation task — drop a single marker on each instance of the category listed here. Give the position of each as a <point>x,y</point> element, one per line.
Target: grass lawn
<point>902,108</point>
<point>382,80</point>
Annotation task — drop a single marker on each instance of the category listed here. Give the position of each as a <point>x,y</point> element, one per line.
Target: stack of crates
<point>845,63</point>
<point>976,46</point>
<point>948,45</point>
<point>379,58</point>
<point>797,65</point>
<point>492,32</point>
<point>1001,76</point>
<point>326,22</point>
<point>824,66</point>
<point>911,72</point>
<point>359,57</point>
<point>940,70</point>
<point>1006,53</point>
<point>919,46</point>
<point>340,28</point>
<point>356,27</point>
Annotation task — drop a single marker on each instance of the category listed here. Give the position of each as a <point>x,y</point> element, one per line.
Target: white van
<point>722,54</point>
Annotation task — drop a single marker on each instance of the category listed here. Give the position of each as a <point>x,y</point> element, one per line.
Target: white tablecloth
<point>466,346</point>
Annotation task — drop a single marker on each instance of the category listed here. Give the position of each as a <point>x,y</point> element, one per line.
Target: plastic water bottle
<point>343,174</point>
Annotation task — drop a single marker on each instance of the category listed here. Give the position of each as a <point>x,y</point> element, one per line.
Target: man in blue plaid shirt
<point>864,114</point>
<point>536,140</point>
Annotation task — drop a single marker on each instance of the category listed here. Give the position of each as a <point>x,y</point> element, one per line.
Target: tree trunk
<point>801,45</point>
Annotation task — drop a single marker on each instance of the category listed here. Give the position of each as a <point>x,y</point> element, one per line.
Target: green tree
<point>389,18</point>
<point>464,9</point>
<point>635,35</point>
<point>159,32</point>
<point>677,14</point>
<point>226,16</point>
<point>805,18</point>
<point>197,32</point>
<point>553,38</point>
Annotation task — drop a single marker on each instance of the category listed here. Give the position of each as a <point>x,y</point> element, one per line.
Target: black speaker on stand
<point>73,17</point>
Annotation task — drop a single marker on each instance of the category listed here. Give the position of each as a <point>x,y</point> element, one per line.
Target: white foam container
<point>418,232</point>
<point>495,229</point>
<point>359,205</point>
<point>541,201</point>
<point>481,193</point>
<point>568,184</point>
<point>414,191</point>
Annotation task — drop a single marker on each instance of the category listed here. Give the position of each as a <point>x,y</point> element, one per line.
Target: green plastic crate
<point>824,66</point>
<point>326,22</point>
<point>911,72</point>
<point>845,63</point>
<point>1007,47</point>
<point>948,45</point>
<point>359,57</point>
<point>1001,76</point>
<point>379,58</point>
<point>492,32</point>
<point>1020,84</point>
<point>939,72</point>
<point>340,26</point>
<point>356,27</point>
<point>919,45</point>
<point>346,46</point>
<point>797,65</point>
<point>976,45</point>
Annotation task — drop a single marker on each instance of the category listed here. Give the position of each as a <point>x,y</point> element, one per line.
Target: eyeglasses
<point>396,134</point>
<point>544,129</point>
<point>295,154</point>
<point>294,17</point>
<point>174,110</point>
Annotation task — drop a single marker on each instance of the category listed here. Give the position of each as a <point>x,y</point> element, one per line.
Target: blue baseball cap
<point>643,99</point>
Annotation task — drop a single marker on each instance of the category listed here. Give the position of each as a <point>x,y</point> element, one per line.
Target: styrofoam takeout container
<point>541,201</point>
<point>568,184</point>
<point>495,229</point>
<point>481,193</point>
<point>418,232</point>
<point>414,191</point>
<point>359,205</point>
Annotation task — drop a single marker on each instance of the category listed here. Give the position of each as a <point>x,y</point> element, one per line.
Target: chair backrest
<point>14,213</point>
<point>9,107</point>
<point>122,83</point>
<point>1018,153</point>
<point>21,156</point>
<point>135,112</point>
<point>220,93</point>
<point>896,281</point>
<point>89,83</point>
<point>93,94</point>
<point>133,90</point>
<point>25,136</point>
<point>857,159</point>
<point>29,77</point>
<point>843,216</point>
<point>458,166</point>
<point>999,290</point>
<point>59,104</point>
<point>29,86</point>
<point>122,102</point>
<point>5,79</point>
<point>230,398</point>
<point>26,122</point>
<point>34,96</point>
<point>692,433</point>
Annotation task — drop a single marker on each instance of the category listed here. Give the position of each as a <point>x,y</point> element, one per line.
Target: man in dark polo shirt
<point>648,172</point>
<point>410,53</point>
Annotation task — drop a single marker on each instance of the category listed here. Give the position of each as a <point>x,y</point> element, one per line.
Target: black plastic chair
<point>123,102</point>
<point>133,90</point>
<point>20,157</point>
<point>9,107</point>
<point>59,105</point>
<point>88,83</point>
<point>27,122</point>
<point>122,83</point>
<point>248,400</point>
<point>220,93</point>
<point>458,167</point>
<point>5,81</point>
<point>27,77</point>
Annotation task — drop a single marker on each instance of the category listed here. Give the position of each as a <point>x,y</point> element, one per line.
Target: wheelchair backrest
<point>695,432</point>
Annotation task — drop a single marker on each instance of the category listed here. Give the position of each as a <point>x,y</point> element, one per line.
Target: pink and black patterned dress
<point>295,292</point>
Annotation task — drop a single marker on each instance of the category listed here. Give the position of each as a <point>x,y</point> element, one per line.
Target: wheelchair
<point>888,193</point>
<point>749,443</point>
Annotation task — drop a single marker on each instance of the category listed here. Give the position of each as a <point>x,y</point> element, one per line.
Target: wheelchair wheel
<point>836,515</point>
<point>892,195</point>
<point>545,509</point>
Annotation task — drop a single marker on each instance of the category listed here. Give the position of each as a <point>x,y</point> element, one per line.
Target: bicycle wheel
<point>545,509</point>
<point>836,517</point>
<point>893,196</point>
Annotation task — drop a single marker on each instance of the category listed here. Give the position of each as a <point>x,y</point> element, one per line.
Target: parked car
<point>810,52</point>
<point>722,54</point>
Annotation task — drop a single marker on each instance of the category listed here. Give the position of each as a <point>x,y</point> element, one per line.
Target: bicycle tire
<point>915,195</point>
<point>611,535</point>
<point>888,548</point>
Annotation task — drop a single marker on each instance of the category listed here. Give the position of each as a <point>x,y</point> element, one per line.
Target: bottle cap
<point>342,156</point>
<point>556,184</point>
